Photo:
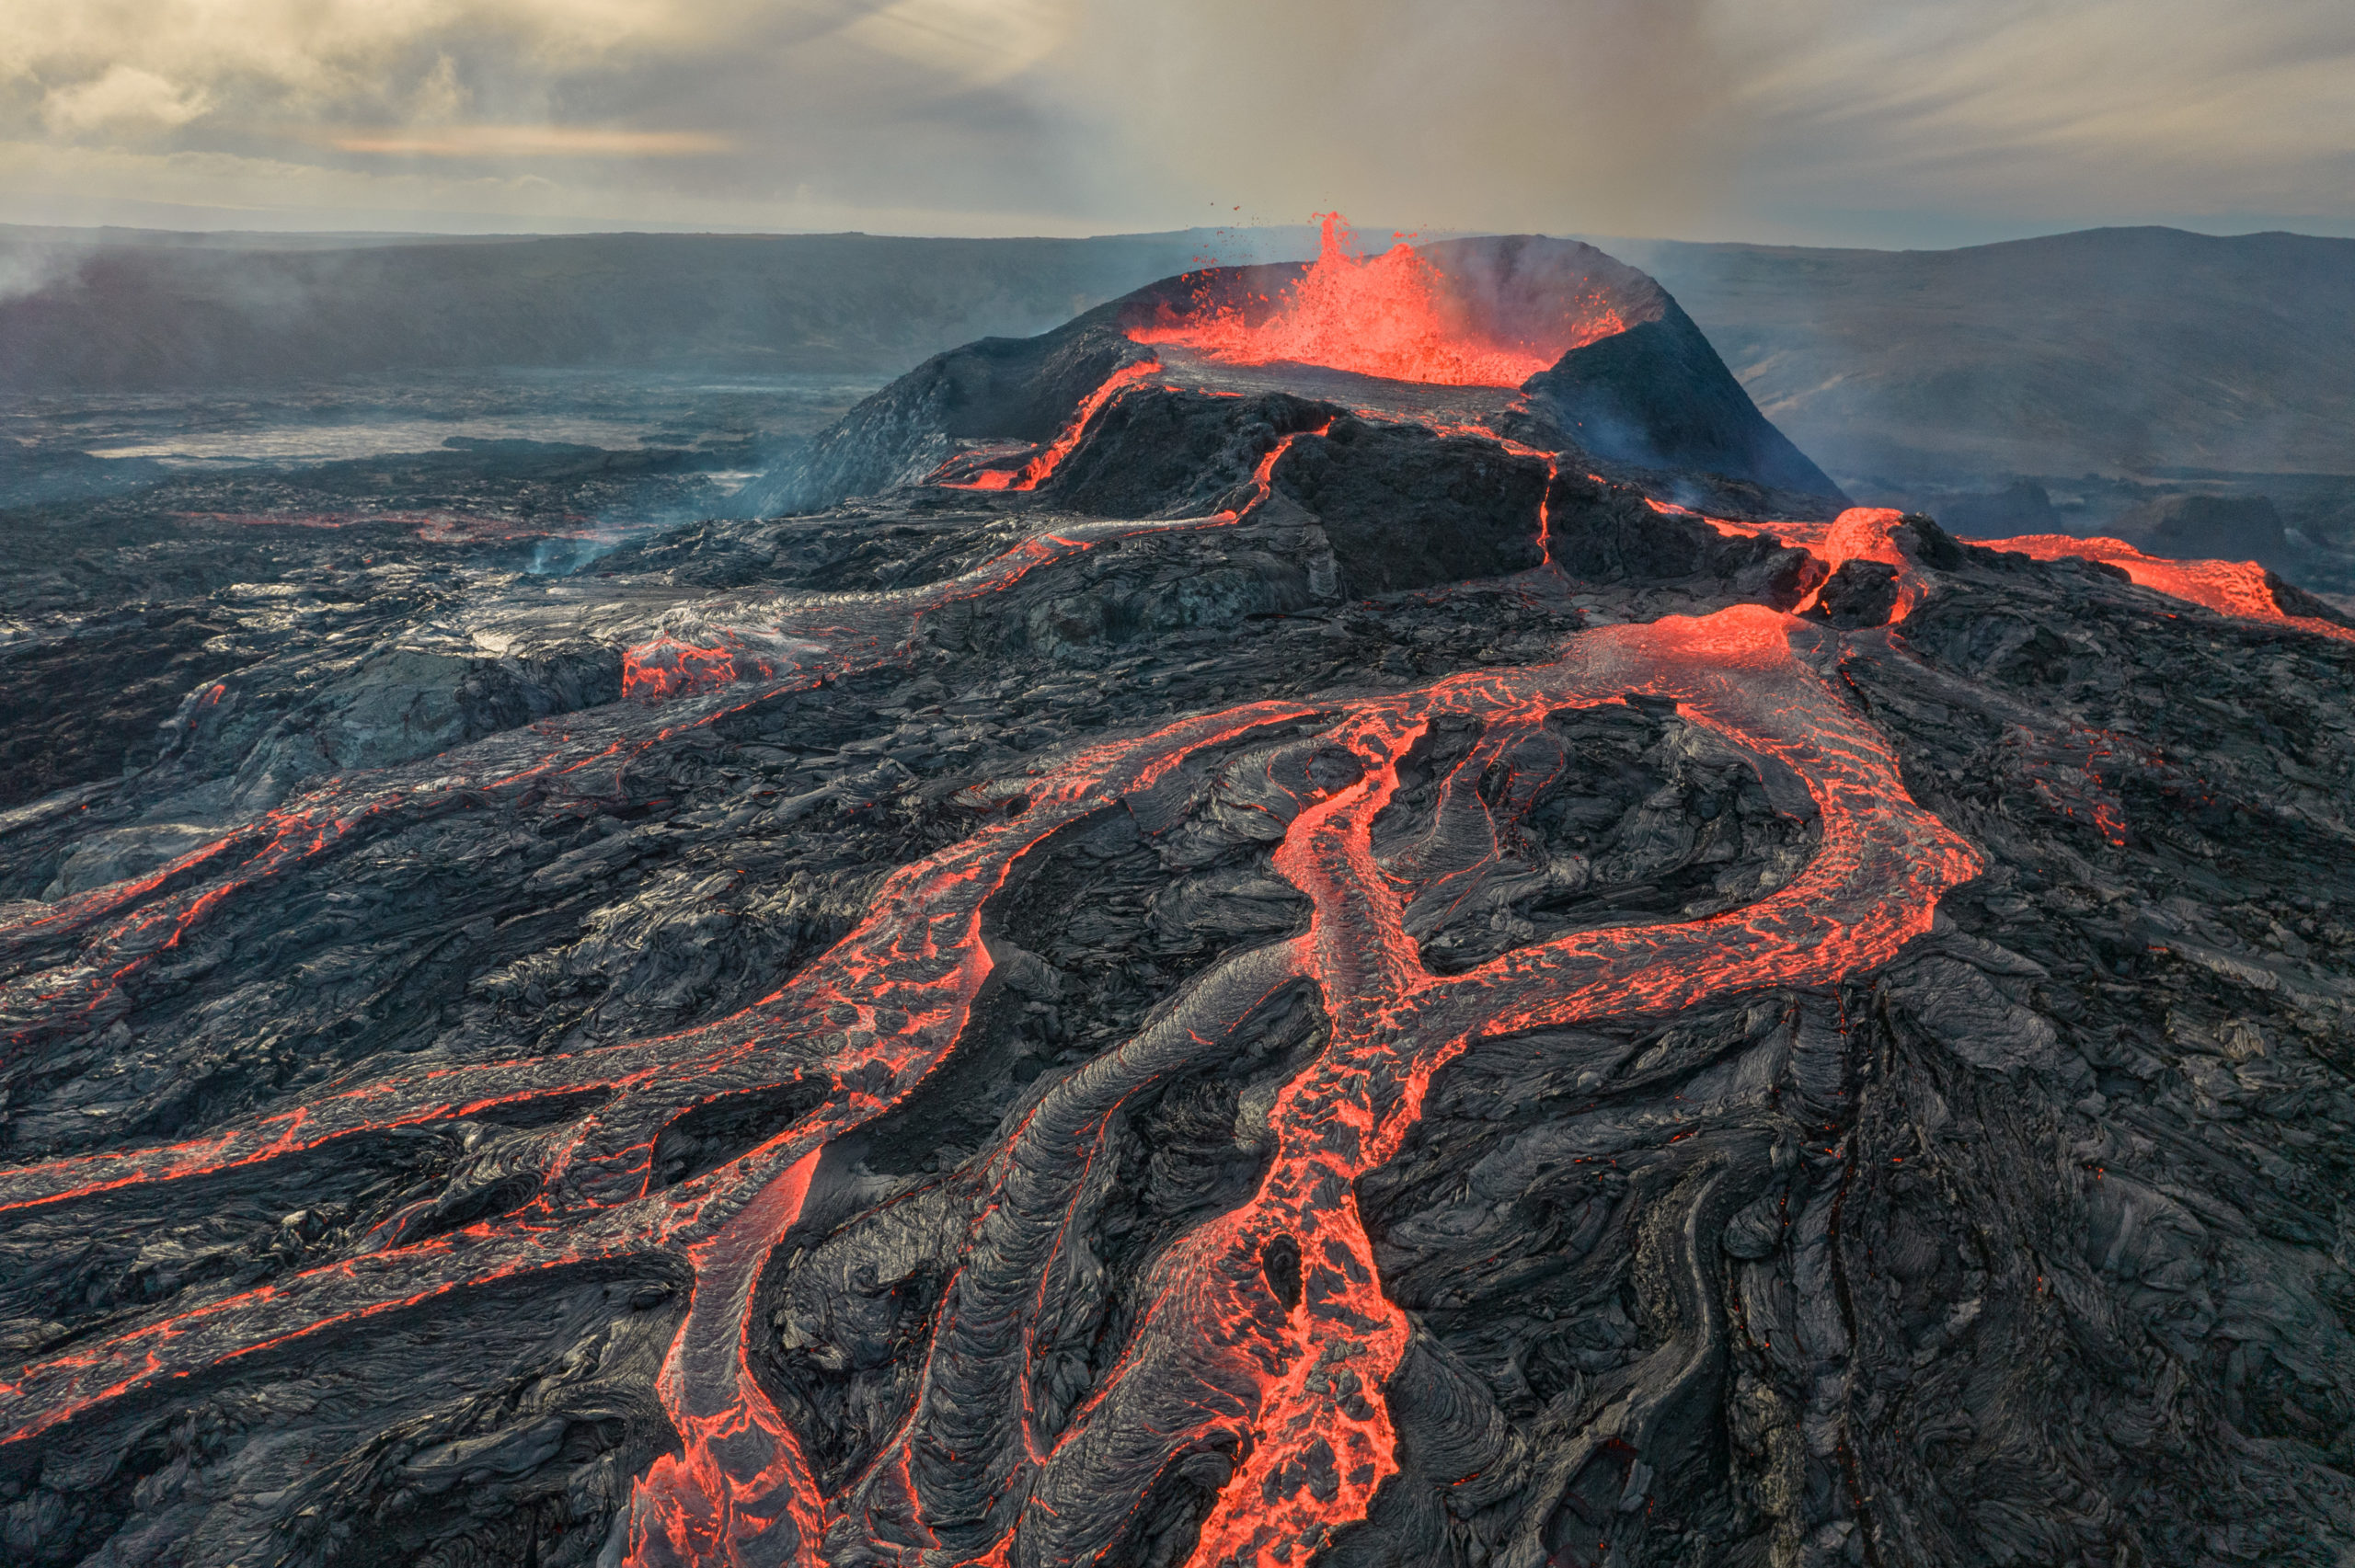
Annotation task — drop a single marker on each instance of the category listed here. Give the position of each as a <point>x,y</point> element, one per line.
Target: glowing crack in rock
<point>1040,468</point>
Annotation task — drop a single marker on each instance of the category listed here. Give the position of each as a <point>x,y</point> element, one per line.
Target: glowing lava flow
<point>812,640</point>
<point>2240,588</point>
<point>977,1473</point>
<point>836,634</point>
<point>795,644</point>
<point>866,1021</point>
<point>1296,1382</point>
<point>1871,886</point>
<point>1028,476</point>
<point>1390,316</point>
<point>1224,1356</point>
<point>2229,588</point>
<point>1860,533</point>
<point>1280,1364</point>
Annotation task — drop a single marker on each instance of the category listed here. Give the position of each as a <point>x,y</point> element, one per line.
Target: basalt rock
<point>1321,984</point>
<point>1001,389</point>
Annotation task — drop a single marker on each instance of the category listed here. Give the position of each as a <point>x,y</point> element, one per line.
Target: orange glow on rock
<point>669,668</point>
<point>1861,533</point>
<point>2229,588</point>
<point>1289,1380</point>
<point>1029,475</point>
<point>873,1017</point>
<point>1389,315</point>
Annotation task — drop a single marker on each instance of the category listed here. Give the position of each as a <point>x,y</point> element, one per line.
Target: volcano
<point>1549,342</point>
<point>1210,944</point>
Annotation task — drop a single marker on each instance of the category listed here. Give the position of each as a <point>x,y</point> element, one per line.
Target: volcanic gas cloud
<point>1395,315</point>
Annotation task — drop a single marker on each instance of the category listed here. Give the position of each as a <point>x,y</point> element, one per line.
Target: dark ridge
<point>1658,397</point>
<point>1406,509</point>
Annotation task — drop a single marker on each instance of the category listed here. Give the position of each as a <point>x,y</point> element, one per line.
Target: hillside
<point>1259,967</point>
<point>2106,351</point>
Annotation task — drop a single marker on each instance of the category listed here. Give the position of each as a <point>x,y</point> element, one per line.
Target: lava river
<point>1268,1329</point>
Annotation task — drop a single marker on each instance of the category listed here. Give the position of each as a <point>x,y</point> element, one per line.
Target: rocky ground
<point>1387,1003</point>
<point>118,604</point>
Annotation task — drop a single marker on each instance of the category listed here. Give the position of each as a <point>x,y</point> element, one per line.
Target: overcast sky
<point>1819,122</point>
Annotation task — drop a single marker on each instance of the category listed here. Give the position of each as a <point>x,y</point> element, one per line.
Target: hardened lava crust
<point>1206,962</point>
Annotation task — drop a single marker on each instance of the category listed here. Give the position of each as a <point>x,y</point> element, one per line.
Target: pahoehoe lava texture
<point>1216,974</point>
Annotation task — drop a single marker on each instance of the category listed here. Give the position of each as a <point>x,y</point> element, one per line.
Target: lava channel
<point>1292,1381</point>
<point>2242,589</point>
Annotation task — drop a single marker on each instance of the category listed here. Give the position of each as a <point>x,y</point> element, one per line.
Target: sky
<point>1873,122</point>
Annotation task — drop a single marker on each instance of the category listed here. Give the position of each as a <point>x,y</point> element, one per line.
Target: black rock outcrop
<point>1658,396</point>
<point>1018,390</point>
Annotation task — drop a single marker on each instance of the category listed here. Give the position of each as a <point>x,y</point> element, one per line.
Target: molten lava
<point>1861,533</point>
<point>1220,1358</point>
<point>2229,588</point>
<point>1030,474</point>
<point>1389,315</point>
<point>1299,1383</point>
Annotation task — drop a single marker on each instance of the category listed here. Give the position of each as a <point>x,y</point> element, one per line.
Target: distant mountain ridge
<point>2105,350</point>
<point>2102,350</point>
<point>128,315</point>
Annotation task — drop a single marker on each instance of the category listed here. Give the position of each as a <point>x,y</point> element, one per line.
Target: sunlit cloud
<point>122,95</point>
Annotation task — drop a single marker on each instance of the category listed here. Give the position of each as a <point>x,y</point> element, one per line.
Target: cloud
<point>1508,113</point>
<point>973,41</point>
<point>2086,106</point>
<point>1803,119</point>
<point>122,95</point>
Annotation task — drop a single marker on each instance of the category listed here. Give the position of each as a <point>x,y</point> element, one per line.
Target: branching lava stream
<point>1295,1383</point>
